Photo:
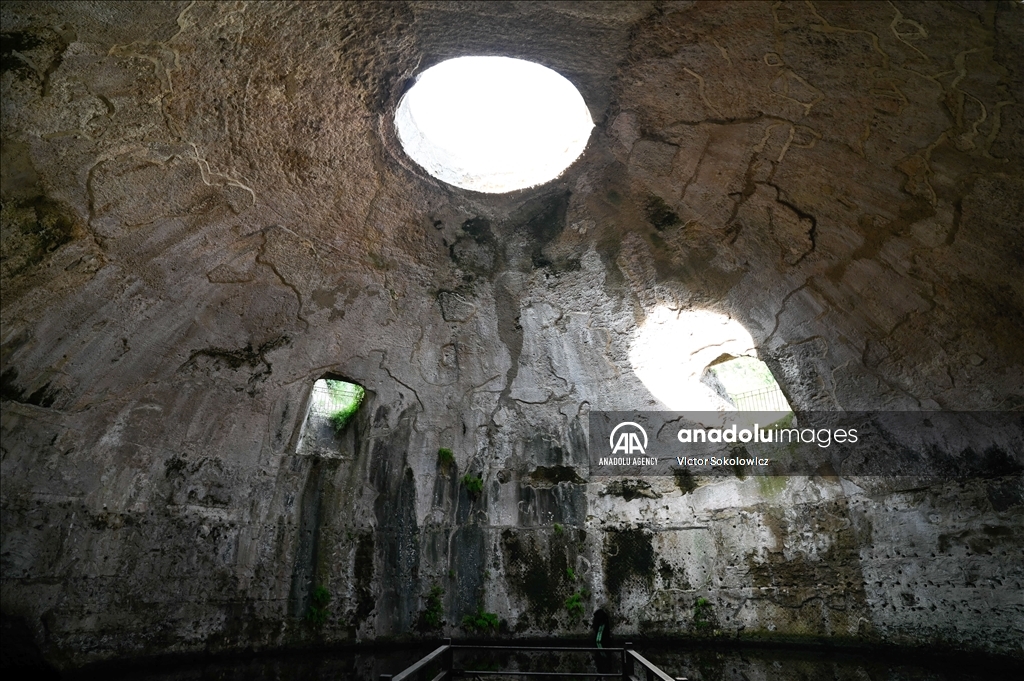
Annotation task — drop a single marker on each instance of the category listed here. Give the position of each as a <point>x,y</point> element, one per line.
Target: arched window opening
<point>333,403</point>
<point>746,383</point>
<point>698,360</point>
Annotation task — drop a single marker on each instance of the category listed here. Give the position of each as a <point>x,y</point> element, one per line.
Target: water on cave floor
<point>679,661</point>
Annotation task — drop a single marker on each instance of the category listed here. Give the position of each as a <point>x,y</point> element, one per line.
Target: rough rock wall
<point>205,210</point>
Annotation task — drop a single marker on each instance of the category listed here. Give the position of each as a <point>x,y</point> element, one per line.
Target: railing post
<point>447,659</point>
<point>627,661</point>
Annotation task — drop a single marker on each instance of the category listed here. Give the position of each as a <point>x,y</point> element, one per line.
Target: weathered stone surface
<point>205,209</point>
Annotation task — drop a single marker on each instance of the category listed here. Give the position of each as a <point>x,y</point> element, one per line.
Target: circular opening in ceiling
<point>493,124</point>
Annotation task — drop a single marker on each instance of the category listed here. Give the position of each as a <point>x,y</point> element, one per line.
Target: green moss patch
<point>346,398</point>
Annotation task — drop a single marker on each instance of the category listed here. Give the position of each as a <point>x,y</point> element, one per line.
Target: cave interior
<point>207,211</point>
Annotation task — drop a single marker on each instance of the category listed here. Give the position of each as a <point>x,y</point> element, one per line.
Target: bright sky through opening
<point>493,124</point>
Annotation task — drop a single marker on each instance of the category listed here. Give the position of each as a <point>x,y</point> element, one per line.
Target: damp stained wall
<point>205,209</point>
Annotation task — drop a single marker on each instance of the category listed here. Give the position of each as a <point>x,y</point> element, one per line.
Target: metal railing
<point>764,399</point>
<point>631,658</point>
<point>325,400</point>
<point>635,667</point>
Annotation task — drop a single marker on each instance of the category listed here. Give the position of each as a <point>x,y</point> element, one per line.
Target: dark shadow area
<point>694,660</point>
<point>19,655</point>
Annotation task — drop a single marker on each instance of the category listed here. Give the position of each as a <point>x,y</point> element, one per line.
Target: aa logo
<point>628,441</point>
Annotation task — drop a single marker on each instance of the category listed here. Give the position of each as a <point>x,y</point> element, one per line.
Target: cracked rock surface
<point>205,209</point>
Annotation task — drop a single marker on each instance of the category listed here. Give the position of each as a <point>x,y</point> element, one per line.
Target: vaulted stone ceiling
<point>205,209</point>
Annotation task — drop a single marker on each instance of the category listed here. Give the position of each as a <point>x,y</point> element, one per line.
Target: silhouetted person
<point>606,662</point>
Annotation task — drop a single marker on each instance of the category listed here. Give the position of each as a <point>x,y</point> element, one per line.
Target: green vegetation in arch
<point>345,401</point>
